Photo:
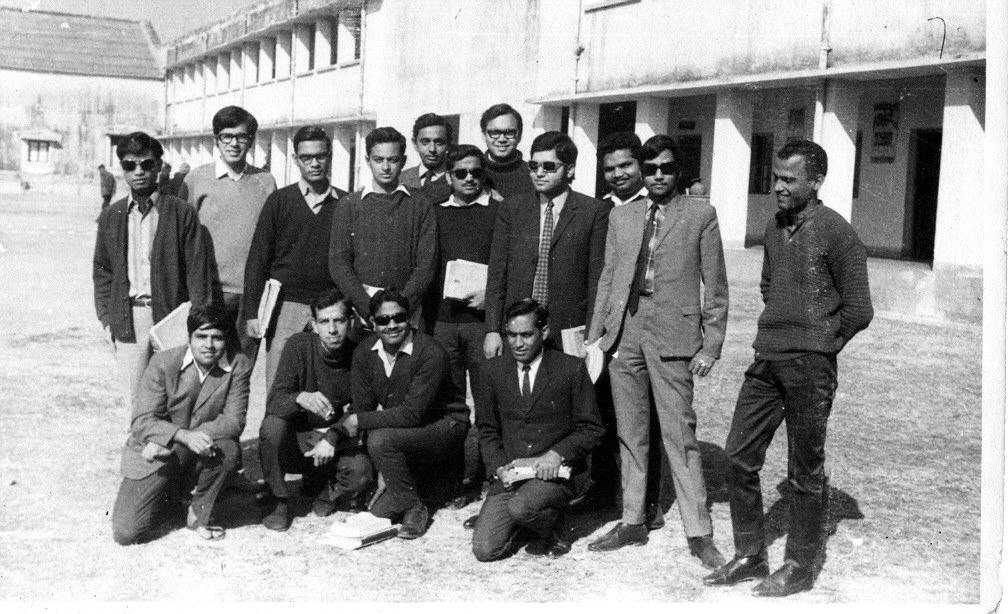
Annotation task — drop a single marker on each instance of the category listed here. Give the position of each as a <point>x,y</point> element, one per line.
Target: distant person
<point>178,179</point>
<point>507,172</point>
<point>311,392</point>
<point>164,178</point>
<point>621,169</point>
<point>432,136</point>
<point>816,298</point>
<point>186,424</point>
<point>291,245</point>
<point>107,185</point>
<point>383,236</point>
<point>229,194</point>
<point>149,258</point>
<point>537,409</point>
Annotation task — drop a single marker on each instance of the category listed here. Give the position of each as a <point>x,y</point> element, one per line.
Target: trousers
<point>534,504</point>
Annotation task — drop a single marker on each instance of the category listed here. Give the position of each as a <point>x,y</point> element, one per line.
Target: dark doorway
<point>922,194</point>
<point>689,147</point>
<point>613,117</point>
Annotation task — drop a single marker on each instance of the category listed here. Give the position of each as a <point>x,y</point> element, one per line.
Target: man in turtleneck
<point>506,171</point>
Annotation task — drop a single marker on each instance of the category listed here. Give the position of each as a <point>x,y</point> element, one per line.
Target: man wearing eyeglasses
<point>229,193</point>
<point>291,245</point>
<point>502,130</point>
<point>149,258</point>
<point>432,136</point>
<point>650,317</point>
<point>549,247</point>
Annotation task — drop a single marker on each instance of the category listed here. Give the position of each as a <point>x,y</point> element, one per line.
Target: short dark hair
<point>137,143</point>
<point>653,147</point>
<point>565,148</point>
<point>385,134</point>
<point>524,307</point>
<point>101,167</point>
<point>617,141</point>
<point>232,117</point>
<point>329,298</point>
<point>461,152</point>
<point>208,314</point>
<point>313,132</point>
<point>816,161</point>
<point>388,295</point>
<point>496,111</point>
<point>432,119</point>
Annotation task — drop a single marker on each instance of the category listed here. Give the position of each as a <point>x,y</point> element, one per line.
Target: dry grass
<point>904,456</point>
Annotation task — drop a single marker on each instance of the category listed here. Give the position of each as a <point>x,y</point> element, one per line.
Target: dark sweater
<point>419,392</point>
<point>814,285</point>
<point>464,233</point>
<point>510,178</point>
<point>305,367</point>
<point>290,245</point>
<point>387,240</point>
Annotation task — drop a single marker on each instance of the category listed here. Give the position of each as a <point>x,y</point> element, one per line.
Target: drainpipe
<point>578,47</point>
<point>824,50</point>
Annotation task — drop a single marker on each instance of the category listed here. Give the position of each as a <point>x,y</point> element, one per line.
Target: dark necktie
<point>643,260</point>
<point>540,283</point>
<point>526,390</point>
<point>425,179</point>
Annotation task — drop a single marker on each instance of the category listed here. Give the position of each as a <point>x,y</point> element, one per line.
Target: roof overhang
<point>41,134</point>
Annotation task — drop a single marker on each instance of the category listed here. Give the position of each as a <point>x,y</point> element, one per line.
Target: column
<point>652,117</point>
<point>267,50</point>
<point>278,156</point>
<point>235,81</point>
<point>584,133</point>
<point>323,43</point>
<point>343,142</point>
<point>839,137</point>
<point>302,47</point>
<point>729,190</point>
<point>250,60</point>
<point>283,55</point>
<point>260,152</point>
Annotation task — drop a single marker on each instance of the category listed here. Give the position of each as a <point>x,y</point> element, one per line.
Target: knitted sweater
<point>464,233</point>
<point>814,285</point>
<point>229,211</point>
<point>510,178</point>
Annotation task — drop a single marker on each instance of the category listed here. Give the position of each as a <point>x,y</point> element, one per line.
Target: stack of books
<point>522,473</point>
<point>359,530</point>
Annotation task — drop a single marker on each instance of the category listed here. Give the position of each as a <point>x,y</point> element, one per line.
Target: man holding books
<point>538,420</point>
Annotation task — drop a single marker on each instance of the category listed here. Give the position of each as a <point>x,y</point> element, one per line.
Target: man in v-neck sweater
<point>291,245</point>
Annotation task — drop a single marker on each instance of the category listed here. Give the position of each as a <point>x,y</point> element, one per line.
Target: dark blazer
<point>180,266</point>
<point>577,251</point>
<point>688,252</point>
<point>163,407</point>
<point>436,191</point>
<point>562,414</point>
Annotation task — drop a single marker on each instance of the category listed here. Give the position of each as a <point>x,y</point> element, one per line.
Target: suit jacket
<point>163,407</point>
<point>577,250</point>
<point>180,265</point>
<point>687,253</point>
<point>436,191</point>
<point>561,415</point>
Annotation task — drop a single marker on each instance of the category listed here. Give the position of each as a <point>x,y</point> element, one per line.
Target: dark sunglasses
<point>130,165</point>
<point>462,173</point>
<point>549,167</point>
<point>667,168</point>
<point>309,158</point>
<point>398,318</point>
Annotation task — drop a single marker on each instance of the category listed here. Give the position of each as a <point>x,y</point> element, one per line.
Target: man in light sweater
<point>229,193</point>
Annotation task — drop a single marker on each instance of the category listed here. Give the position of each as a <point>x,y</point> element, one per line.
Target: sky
<point>171,18</point>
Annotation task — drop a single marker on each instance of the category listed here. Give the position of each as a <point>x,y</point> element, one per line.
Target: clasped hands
<point>547,466</point>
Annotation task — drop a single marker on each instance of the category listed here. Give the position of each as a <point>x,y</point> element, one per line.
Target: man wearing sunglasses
<point>149,258</point>
<point>408,409</point>
<point>650,315</point>
<point>502,131</point>
<point>432,136</point>
<point>549,247</point>
<point>291,245</point>
<point>229,193</point>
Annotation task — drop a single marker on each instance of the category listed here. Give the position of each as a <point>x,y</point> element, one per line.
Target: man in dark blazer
<point>186,423</point>
<point>550,247</point>
<point>650,316</point>
<point>537,410</point>
<point>149,258</point>
<point>432,135</point>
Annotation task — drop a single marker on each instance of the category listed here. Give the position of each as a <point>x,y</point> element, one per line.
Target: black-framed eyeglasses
<point>462,173</point>
<point>667,168</point>
<point>226,139</point>
<point>509,134</point>
<point>146,165</point>
<point>384,320</point>
<point>549,166</point>
<point>309,158</point>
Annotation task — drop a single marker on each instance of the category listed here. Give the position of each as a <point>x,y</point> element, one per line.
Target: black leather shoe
<point>791,578</point>
<point>704,549</point>
<point>621,535</point>
<point>739,569</point>
<point>553,546</point>
<point>655,517</point>
<point>470,522</point>
<point>414,523</point>
<point>323,506</point>
<point>279,519</point>
<point>241,483</point>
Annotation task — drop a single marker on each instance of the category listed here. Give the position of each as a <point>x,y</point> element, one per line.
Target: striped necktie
<point>540,283</point>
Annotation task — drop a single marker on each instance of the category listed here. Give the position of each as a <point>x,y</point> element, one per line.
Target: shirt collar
<point>307,189</point>
<point>406,348</point>
<point>533,366</point>
<point>369,189</point>
<point>223,170</point>
<point>453,201</point>
<point>188,359</point>
<point>641,193</point>
<point>153,199</point>
<point>558,200</point>
<point>434,176</point>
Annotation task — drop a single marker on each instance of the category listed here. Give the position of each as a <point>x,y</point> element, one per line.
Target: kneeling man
<point>189,413</point>
<point>537,409</point>
<point>299,434</point>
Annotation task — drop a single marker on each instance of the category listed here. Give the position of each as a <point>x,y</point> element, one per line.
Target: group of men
<point>369,402</point>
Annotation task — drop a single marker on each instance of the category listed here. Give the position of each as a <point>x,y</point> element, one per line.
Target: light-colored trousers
<point>132,358</point>
<point>292,318</point>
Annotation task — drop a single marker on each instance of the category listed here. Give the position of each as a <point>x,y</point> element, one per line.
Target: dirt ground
<point>903,454</point>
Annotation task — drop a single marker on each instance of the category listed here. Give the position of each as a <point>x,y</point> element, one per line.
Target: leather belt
<point>140,301</point>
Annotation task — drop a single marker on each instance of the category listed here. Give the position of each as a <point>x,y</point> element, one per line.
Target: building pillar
<point>278,156</point>
<point>260,151</point>
<point>838,136</point>
<point>343,143</point>
<point>729,190</point>
<point>652,117</point>
<point>282,51</point>
<point>584,133</point>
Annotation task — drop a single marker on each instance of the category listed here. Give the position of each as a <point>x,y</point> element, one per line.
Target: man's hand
<point>252,328</point>
<point>547,466</point>
<point>154,450</point>
<point>316,403</point>
<point>701,365</point>
<point>475,299</point>
<point>349,422</point>
<point>492,345</point>
<point>322,453</point>
<point>197,441</point>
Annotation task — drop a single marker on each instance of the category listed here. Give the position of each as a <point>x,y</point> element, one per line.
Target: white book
<point>267,305</point>
<point>359,525</point>
<point>525,472</point>
<point>354,543</point>
<point>463,278</point>
<point>573,340</point>
<point>172,330</point>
